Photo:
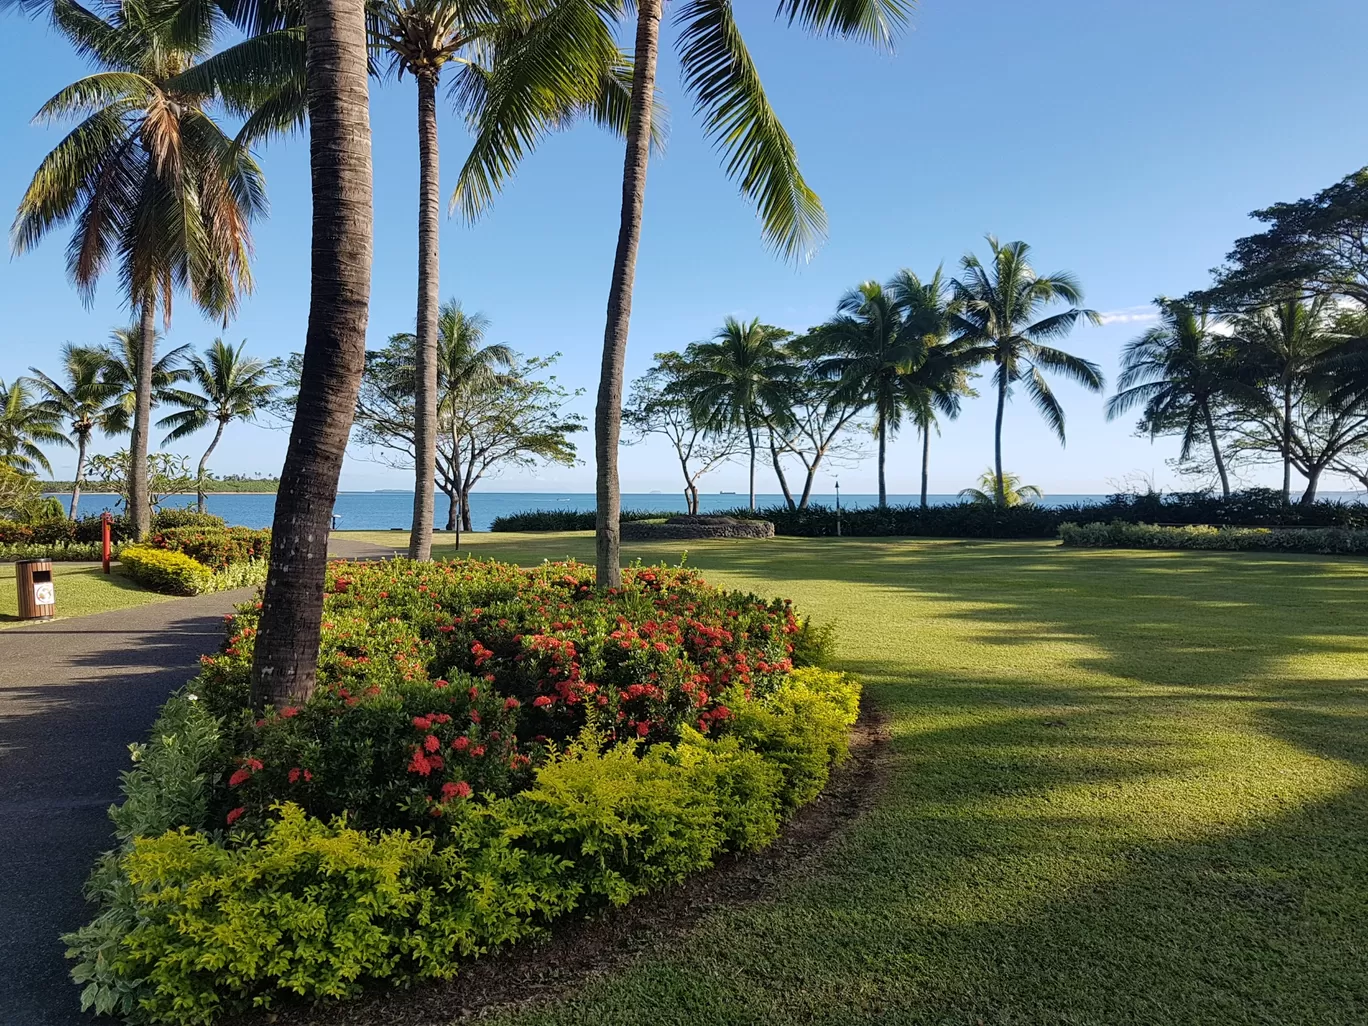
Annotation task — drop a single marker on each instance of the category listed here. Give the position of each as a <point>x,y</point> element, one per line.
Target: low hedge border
<point>1255,507</point>
<point>1118,534</point>
<point>174,573</point>
<point>198,920</point>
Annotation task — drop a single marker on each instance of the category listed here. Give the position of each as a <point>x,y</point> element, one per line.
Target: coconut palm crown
<point>998,320</point>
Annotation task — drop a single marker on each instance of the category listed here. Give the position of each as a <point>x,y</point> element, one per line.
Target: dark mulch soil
<point>576,953</point>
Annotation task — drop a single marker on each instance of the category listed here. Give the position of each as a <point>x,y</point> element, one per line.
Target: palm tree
<point>24,426</point>
<point>285,664</point>
<point>1178,371</point>
<point>148,180</point>
<point>232,387</point>
<point>993,484</point>
<point>996,321</point>
<point>465,367</point>
<point>122,371</point>
<point>740,379</point>
<point>941,378</point>
<point>1284,344</point>
<point>80,399</point>
<point>420,37</point>
<point>869,353</point>
<point>758,153</point>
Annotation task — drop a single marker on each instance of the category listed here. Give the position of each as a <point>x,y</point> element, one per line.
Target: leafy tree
<point>148,180</point>
<point>496,410</point>
<point>997,488</point>
<point>997,320</point>
<point>167,474</point>
<point>869,353</point>
<point>1311,247</point>
<point>25,425</point>
<point>231,387</point>
<point>659,404</point>
<point>740,379</point>
<point>1179,373</point>
<point>80,398</point>
<point>725,84</point>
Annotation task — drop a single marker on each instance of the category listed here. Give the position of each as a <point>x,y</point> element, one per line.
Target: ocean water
<point>385,511</point>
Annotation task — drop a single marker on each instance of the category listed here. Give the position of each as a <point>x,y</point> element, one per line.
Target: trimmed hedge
<point>65,553</point>
<point>1256,507</point>
<point>174,573</point>
<point>215,547</point>
<point>566,519</point>
<point>1121,535</point>
<point>422,867</point>
<point>53,537</point>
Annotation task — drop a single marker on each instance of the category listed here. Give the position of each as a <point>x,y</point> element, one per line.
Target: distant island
<point>218,486</point>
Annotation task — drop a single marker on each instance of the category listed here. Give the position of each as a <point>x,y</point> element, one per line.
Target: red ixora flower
<point>240,776</point>
<point>432,742</point>
<point>460,789</point>
<point>542,701</point>
<point>289,711</point>
<point>236,814</point>
<point>511,703</point>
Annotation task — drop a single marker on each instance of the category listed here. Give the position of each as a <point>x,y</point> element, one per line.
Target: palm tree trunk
<point>82,440</point>
<point>1287,445</point>
<point>454,492</point>
<point>779,473</point>
<point>883,452</point>
<point>285,664</point>
<point>750,437</point>
<point>1216,451</point>
<point>608,411</point>
<point>425,428</point>
<point>139,501</point>
<point>204,462</point>
<point>926,460</point>
<point>999,492</point>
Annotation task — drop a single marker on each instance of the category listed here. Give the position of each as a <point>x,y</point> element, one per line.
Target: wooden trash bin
<point>37,598</point>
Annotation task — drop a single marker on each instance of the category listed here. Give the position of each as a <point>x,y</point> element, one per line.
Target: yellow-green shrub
<point>314,909</point>
<point>174,573</point>
<point>803,728</point>
<point>171,573</point>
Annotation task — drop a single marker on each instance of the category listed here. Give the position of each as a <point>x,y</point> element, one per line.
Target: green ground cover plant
<point>1120,535</point>
<point>1125,787</point>
<point>489,749</point>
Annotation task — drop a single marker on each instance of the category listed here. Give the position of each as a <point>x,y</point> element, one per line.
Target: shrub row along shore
<point>489,749</point>
<point>1252,508</point>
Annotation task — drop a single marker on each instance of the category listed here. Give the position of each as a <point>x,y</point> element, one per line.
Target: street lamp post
<point>838,507</point>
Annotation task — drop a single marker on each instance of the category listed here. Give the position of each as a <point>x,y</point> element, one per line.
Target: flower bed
<point>1121,535</point>
<point>488,749</point>
<point>215,547</point>
<point>174,573</point>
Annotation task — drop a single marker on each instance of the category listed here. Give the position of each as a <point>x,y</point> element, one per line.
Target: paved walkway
<point>73,694</point>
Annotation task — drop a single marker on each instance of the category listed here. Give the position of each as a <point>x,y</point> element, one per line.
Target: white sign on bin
<point>44,594</point>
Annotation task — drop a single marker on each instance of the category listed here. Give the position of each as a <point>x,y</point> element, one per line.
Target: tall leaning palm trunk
<point>429,302</point>
<point>285,666</point>
<point>608,410</point>
<point>139,498</point>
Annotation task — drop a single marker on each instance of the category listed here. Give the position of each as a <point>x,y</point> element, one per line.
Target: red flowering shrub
<point>442,680</point>
<point>215,547</point>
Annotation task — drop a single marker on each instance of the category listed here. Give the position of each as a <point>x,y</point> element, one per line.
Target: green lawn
<point>1129,788</point>
<point>81,588</point>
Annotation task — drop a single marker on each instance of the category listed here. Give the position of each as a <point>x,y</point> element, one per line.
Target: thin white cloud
<point>1131,315</point>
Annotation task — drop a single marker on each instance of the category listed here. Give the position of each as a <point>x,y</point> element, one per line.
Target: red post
<point>105,521</point>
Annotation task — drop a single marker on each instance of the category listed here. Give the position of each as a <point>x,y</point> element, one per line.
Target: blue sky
<point>1126,142</point>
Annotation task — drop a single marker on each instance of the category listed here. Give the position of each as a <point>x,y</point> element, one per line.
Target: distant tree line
<point>904,351</point>
<point>1269,364</point>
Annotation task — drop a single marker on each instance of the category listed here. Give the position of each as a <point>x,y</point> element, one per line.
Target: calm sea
<point>383,511</point>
